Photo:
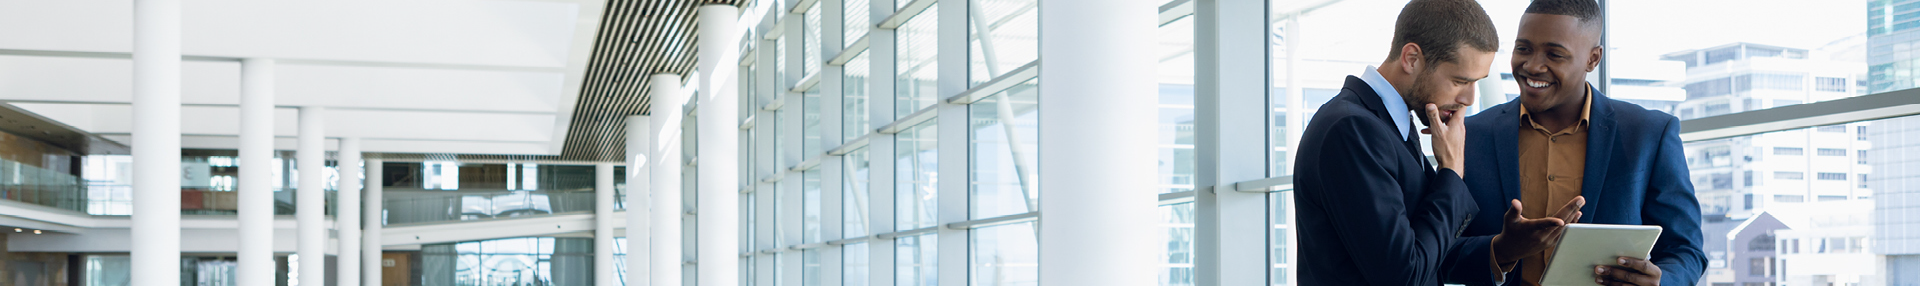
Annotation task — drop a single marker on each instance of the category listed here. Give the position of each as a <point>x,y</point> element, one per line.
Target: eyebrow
<point>1549,44</point>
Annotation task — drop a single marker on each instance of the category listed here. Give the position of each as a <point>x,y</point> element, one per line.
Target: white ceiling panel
<point>479,32</point>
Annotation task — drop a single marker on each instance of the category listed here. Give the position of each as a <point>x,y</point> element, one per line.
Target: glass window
<point>854,97</point>
<point>856,257</point>
<point>917,80</point>
<point>1176,257</point>
<point>810,45</point>
<point>1002,35</point>
<point>1175,74</point>
<point>1005,131</point>
<point>916,166</point>
<point>810,206</point>
<point>916,260</point>
<point>1005,255</point>
<point>810,125</point>
<point>857,21</point>
<point>810,266</point>
<point>855,198</point>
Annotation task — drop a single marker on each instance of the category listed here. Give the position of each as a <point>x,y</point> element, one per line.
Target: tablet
<point>1587,245</point>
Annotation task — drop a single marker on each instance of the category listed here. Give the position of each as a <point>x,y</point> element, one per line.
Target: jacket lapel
<point>1600,137</point>
<point>1506,141</point>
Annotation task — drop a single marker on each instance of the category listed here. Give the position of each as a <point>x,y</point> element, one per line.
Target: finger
<point>1433,114</point>
<point>1614,275</point>
<point>1641,265</point>
<point>1513,211</point>
<point>1573,206</point>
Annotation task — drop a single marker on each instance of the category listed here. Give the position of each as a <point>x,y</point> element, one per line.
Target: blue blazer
<point>1371,210</point>
<point>1636,173</point>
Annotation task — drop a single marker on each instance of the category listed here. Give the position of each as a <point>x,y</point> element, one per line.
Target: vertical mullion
<point>792,124</point>
<point>880,168</point>
<point>765,195</point>
<point>1230,51</point>
<point>951,42</point>
<point>832,179</point>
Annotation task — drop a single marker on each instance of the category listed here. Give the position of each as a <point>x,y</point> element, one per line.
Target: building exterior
<point>1891,38</point>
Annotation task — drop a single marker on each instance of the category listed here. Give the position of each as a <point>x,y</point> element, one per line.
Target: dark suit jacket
<point>1636,174</point>
<point>1371,210</point>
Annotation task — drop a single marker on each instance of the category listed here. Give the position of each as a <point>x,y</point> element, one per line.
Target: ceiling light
<point>16,229</point>
<point>36,231</point>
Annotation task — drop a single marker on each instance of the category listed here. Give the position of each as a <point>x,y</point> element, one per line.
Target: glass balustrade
<point>427,206</point>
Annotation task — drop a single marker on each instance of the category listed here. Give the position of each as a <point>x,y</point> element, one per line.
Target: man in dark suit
<point>1611,162</point>
<point>1371,209</point>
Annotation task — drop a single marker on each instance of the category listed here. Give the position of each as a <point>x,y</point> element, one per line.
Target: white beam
<point>1230,55</point>
<point>156,102</point>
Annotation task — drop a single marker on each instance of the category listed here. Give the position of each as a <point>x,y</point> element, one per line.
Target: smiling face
<point>1551,58</point>
<point>1448,84</point>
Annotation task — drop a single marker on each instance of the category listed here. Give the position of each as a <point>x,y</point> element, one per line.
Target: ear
<point>1411,59</point>
<point>1593,57</point>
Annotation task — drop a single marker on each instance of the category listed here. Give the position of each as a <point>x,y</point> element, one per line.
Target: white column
<point>603,268</point>
<point>156,143</point>
<point>310,201</point>
<point>639,189</point>
<point>1230,51</point>
<point>256,266</point>
<point>370,258</point>
<point>719,131</point>
<point>1098,207</point>
<point>347,213</point>
<point>880,154</point>
<point>662,164</point>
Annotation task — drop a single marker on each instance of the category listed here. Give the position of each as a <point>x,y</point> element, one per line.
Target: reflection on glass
<point>1005,255</point>
<point>917,80</point>
<point>1175,125</point>
<point>856,257</point>
<point>1003,35</point>
<point>857,21</point>
<point>1176,257</point>
<point>855,199</point>
<point>855,97</point>
<point>916,260</point>
<point>1280,236</point>
<point>917,167</point>
<point>1005,131</point>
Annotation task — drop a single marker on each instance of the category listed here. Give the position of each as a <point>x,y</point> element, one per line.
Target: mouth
<point>1531,83</point>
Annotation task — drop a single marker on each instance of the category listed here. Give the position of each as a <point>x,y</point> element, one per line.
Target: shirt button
<point>1555,139</point>
<point>1549,178</point>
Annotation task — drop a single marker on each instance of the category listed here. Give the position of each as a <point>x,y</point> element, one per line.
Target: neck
<point>1400,81</point>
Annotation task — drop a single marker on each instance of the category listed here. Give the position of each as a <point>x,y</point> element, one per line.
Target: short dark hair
<point>1440,27</point>
<point>1587,11</point>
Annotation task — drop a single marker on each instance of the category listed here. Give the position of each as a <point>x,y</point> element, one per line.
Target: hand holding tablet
<point>1587,246</point>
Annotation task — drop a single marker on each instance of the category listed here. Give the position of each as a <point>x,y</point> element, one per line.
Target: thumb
<point>1513,211</point>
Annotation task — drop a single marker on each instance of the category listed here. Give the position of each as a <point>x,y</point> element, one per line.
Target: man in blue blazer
<point>1372,209</point>
<point>1562,144</point>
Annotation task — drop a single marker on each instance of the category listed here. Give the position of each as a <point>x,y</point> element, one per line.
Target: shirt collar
<point>1396,106</point>
<point>1586,112</point>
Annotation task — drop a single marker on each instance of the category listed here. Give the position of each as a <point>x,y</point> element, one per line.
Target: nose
<point>1466,97</point>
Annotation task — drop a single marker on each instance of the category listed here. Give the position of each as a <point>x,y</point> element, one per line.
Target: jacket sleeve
<point>1399,243</point>
<point>1470,262</point>
<point>1670,203</point>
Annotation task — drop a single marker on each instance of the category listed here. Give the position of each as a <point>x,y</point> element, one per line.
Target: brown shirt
<point>1551,166</point>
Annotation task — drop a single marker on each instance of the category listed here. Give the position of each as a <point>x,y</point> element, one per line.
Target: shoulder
<point>1346,118</point>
